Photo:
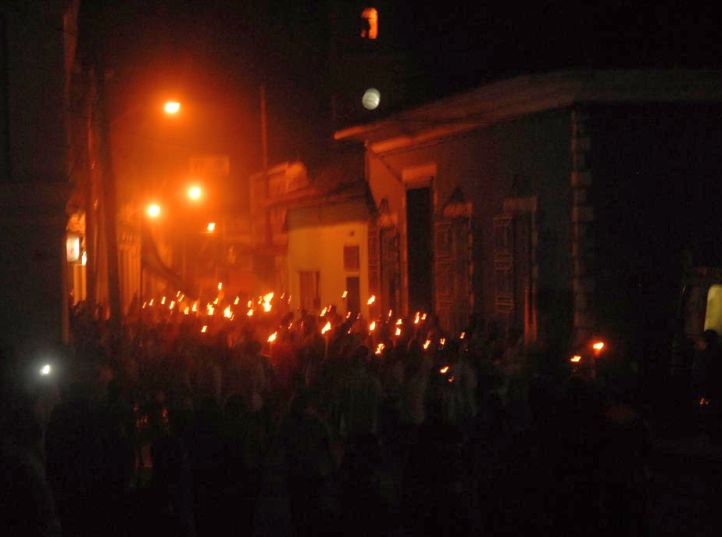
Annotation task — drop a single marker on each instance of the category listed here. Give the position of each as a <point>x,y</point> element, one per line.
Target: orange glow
<point>195,307</point>
<point>442,341</point>
<point>153,210</point>
<point>250,313</point>
<point>151,302</point>
<point>267,307</point>
<point>423,316</point>
<point>398,331</point>
<point>323,311</point>
<point>399,322</point>
<point>379,349</point>
<point>162,300</point>
<point>372,326</point>
<point>371,300</point>
<point>444,370</point>
<point>195,192</point>
<point>228,313</point>
<point>575,359</point>
<point>598,346</point>
<point>215,301</point>
<point>171,107</point>
<point>172,305</point>
<point>427,343</point>
<point>211,227</point>
<point>204,329</point>
<point>370,30</point>
<point>326,327</point>
<point>236,301</point>
<point>272,337</point>
<point>344,294</point>
<point>417,317</point>
<point>268,296</point>
<point>462,335</point>
<point>186,311</point>
<point>249,303</point>
<point>391,313</point>
<point>210,309</point>
<point>220,285</point>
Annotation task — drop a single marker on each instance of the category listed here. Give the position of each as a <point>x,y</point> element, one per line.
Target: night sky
<point>216,53</point>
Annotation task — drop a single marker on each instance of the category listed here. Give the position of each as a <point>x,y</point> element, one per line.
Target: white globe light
<point>371,99</point>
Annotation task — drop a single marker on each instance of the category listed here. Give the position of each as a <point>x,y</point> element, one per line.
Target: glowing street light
<point>195,192</point>
<point>171,107</point>
<point>153,210</point>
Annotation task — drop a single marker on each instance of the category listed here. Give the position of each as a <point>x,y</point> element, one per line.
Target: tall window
<point>351,258</point>
<point>369,23</point>
<point>309,290</point>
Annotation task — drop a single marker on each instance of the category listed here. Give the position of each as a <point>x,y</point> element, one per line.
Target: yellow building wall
<point>320,248</point>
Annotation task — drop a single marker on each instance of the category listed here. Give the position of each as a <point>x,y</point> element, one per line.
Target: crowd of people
<point>320,425</point>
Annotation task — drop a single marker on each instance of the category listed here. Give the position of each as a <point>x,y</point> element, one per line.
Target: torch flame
<point>575,359</point>
<point>372,326</point>
<point>268,297</point>
<point>444,370</point>
<point>204,329</point>
<point>324,311</point>
<point>427,343</point>
<point>326,327</point>
<point>236,301</point>
<point>162,300</point>
<point>210,309</point>
<point>442,341</point>
<point>186,311</point>
<point>151,302</point>
<point>398,331</point>
<point>371,300</point>
<point>228,313</point>
<point>344,294</point>
<point>598,346</point>
<point>272,337</point>
<point>220,285</point>
<point>379,349</point>
<point>250,313</point>
<point>267,307</point>
<point>399,322</point>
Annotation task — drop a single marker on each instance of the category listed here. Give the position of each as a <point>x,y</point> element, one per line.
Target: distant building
<point>557,206</point>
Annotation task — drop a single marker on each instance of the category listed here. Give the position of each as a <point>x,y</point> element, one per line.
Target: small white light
<point>46,370</point>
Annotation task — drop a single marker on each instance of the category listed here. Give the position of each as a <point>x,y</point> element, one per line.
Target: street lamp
<point>171,107</point>
<point>153,210</point>
<point>195,192</point>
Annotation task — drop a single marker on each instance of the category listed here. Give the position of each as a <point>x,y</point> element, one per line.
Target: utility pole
<point>109,198</point>
<point>264,162</point>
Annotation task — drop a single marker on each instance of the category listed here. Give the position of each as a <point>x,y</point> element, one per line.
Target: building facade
<point>507,202</point>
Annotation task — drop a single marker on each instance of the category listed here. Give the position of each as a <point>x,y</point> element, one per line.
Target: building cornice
<point>517,97</point>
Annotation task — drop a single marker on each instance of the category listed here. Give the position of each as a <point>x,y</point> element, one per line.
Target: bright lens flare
<point>326,327</point>
<point>171,107</point>
<point>195,192</point>
<point>46,370</point>
<point>153,210</point>
<point>272,337</point>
